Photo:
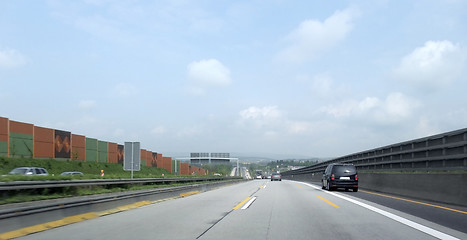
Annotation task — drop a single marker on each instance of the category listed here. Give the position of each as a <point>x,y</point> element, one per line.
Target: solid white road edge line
<point>402,220</point>
<point>248,203</point>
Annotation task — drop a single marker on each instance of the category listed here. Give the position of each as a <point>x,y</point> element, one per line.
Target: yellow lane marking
<point>243,202</point>
<point>45,226</point>
<point>189,193</point>
<point>68,220</point>
<point>327,201</point>
<point>412,201</point>
<point>299,185</point>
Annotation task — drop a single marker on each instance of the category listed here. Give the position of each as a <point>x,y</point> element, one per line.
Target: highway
<point>262,209</point>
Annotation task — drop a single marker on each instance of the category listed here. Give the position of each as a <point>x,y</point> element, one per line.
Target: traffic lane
<point>438,213</point>
<point>183,218</point>
<point>291,210</point>
<point>454,217</point>
<point>354,197</point>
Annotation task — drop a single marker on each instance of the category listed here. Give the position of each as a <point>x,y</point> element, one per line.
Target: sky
<point>295,78</point>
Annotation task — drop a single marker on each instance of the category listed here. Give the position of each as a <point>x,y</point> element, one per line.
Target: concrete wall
<point>437,187</point>
<point>446,188</point>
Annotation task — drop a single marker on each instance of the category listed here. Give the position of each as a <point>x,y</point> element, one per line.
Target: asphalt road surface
<point>260,209</point>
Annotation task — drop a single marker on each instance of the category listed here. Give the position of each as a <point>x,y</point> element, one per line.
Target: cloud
<point>262,118</point>
<point>206,74</point>
<point>256,113</point>
<point>312,37</point>
<point>434,65</point>
<point>394,109</point>
<point>11,58</point>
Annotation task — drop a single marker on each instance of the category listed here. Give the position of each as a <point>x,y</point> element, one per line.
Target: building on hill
<point>199,159</point>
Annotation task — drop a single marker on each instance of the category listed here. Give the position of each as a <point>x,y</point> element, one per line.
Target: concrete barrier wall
<point>446,188</point>
<point>437,187</point>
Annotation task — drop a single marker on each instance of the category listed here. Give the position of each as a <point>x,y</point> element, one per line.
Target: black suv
<point>339,175</point>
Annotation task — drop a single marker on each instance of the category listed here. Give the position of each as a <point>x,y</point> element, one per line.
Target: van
<point>340,175</point>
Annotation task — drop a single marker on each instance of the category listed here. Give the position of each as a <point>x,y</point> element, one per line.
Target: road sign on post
<point>132,157</point>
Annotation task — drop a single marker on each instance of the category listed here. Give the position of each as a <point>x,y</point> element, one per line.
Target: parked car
<point>276,177</point>
<point>339,175</point>
<point>29,171</point>
<point>71,173</point>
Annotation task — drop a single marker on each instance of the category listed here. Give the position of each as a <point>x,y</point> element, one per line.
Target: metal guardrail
<point>446,151</point>
<point>21,185</point>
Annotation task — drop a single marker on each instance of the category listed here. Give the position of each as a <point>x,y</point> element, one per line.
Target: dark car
<point>339,175</point>
<point>276,177</point>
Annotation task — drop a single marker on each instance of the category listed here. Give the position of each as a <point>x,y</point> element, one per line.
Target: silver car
<point>29,171</point>
<point>276,177</point>
<point>71,173</point>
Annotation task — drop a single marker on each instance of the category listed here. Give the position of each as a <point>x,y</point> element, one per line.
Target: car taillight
<point>332,176</point>
<point>356,177</point>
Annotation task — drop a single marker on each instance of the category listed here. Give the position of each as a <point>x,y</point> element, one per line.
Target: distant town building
<point>209,158</point>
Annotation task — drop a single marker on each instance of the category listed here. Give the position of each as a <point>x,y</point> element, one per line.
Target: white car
<point>29,171</point>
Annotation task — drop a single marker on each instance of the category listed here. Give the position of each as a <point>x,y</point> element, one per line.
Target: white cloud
<point>436,64</point>
<point>395,108</point>
<point>256,113</point>
<point>87,104</point>
<point>206,74</point>
<point>312,37</point>
<point>261,117</point>
<point>11,58</point>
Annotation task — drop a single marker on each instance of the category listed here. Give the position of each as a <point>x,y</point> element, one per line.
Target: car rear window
<point>345,169</point>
